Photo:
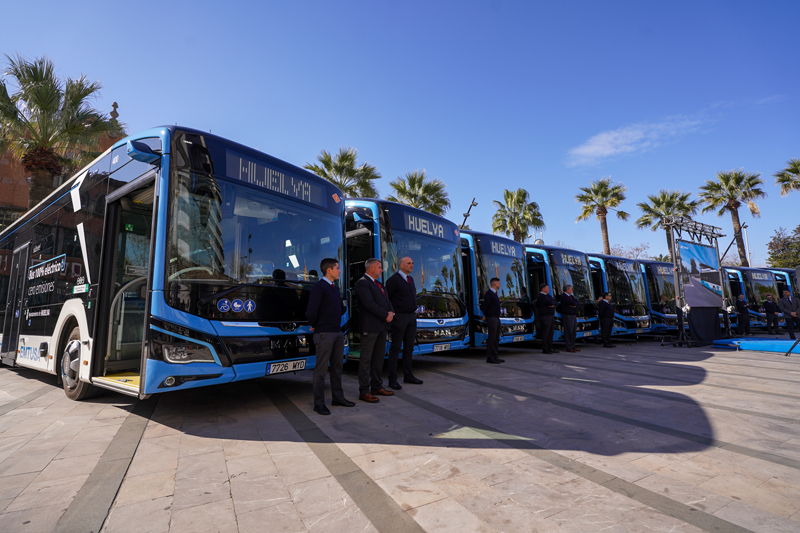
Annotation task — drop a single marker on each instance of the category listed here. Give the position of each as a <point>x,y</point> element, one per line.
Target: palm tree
<point>598,199</point>
<point>517,216</point>
<point>343,170</point>
<point>417,190</point>
<point>48,123</point>
<point>727,193</point>
<point>664,258</point>
<point>665,204</point>
<point>789,177</point>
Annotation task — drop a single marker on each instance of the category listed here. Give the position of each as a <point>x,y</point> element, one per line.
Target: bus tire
<point>74,388</point>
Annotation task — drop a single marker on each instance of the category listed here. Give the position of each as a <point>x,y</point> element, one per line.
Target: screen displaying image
<point>699,270</point>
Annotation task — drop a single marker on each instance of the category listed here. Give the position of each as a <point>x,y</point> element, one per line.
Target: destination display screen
<point>424,225</point>
<point>564,258</point>
<point>257,172</point>
<point>761,276</point>
<point>500,247</point>
<point>664,270</point>
<point>625,266</point>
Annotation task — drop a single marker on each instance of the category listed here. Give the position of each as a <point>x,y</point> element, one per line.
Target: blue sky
<point>486,95</point>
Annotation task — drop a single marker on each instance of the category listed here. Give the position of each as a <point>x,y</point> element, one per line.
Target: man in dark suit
<point>773,313</point>
<point>569,318</point>
<point>402,294</point>
<point>491,315</point>
<point>743,318</point>
<point>791,312</point>
<point>545,312</point>
<point>376,315</point>
<point>324,313</point>
<point>606,316</point>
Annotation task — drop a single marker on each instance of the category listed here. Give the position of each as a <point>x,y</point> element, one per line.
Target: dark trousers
<point>606,324</point>
<point>493,342</point>
<point>743,324</point>
<point>570,323</point>
<point>791,323</point>
<point>772,324</point>
<point>547,322</point>
<point>404,330</point>
<point>330,349</point>
<point>370,363</point>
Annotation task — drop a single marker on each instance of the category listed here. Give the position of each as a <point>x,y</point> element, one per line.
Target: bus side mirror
<point>363,221</point>
<point>139,151</point>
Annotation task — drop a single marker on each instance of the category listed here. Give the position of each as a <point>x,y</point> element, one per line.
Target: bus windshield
<point>758,285</point>
<point>224,234</point>
<point>661,285</point>
<point>504,260</point>
<point>437,272</point>
<point>625,282</point>
<point>571,269</point>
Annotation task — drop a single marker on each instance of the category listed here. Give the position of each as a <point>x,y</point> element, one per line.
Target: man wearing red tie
<point>376,315</point>
<point>402,294</point>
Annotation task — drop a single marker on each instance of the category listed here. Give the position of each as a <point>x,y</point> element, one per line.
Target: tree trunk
<point>737,230</point>
<point>604,231</point>
<point>40,187</point>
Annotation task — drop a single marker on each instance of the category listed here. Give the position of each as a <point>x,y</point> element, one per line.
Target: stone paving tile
<point>47,493</point>
<point>447,516</point>
<point>38,520</point>
<point>146,487</point>
<point>150,516</point>
<point>210,517</point>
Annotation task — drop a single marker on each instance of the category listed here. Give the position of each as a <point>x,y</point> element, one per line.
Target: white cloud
<point>631,139</point>
<point>775,98</point>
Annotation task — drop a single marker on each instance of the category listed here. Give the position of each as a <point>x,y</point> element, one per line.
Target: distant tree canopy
<point>783,249</point>
<point>631,252</point>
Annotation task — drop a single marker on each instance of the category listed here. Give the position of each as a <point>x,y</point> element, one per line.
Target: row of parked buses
<point>179,259</point>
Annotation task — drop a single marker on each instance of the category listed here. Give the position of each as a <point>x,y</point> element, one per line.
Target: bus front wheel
<point>74,388</point>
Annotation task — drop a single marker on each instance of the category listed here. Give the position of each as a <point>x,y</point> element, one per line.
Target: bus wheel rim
<point>70,363</point>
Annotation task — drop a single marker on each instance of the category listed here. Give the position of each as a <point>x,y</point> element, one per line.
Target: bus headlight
<point>187,353</point>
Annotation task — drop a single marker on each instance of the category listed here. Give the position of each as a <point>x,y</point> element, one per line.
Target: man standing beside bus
<point>773,314</point>
<point>376,315</point>
<point>743,310</point>
<point>491,315</point>
<point>569,318</point>
<point>606,316</point>
<point>402,294</point>
<point>791,312</point>
<point>324,314</point>
<point>545,312</point>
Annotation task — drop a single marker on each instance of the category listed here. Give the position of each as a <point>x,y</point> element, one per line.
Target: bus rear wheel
<point>74,388</point>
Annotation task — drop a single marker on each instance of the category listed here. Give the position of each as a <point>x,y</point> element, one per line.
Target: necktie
<point>408,279</point>
<point>380,287</point>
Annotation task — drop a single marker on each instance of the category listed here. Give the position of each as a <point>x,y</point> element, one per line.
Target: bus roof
<point>553,248</point>
<point>389,203</point>
<point>616,258</point>
<point>492,235</point>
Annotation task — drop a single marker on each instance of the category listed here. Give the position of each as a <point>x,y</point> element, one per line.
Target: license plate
<point>441,347</point>
<point>286,366</point>
<point>639,330</point>
<point>519,338</point>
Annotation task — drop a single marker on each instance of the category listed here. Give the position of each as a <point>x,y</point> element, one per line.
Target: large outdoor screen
<point>699,269</point>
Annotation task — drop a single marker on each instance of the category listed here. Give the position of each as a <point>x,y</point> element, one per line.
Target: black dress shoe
<point>343,403</point>
<point>413,380</point>
<point>554,351</point>
<point>322,409</point>
<point>493,360</point>
<point>395,385</point>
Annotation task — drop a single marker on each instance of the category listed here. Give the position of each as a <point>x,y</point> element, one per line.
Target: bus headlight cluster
<point>619,324</point>
<point>187,353</point>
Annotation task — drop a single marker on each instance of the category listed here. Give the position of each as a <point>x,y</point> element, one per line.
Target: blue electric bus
<point>490,256</point>
<point>559,267</point>
<point>755,284</point>
<point>660,278</point>
<point>176,259</point>
<point>623,278</point>
<point>786,280</point>
<point>391,231</point>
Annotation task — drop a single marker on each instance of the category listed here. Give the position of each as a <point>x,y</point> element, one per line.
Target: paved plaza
<point>640,438</point>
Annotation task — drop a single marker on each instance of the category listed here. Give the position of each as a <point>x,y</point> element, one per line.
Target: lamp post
<point>466,215</point>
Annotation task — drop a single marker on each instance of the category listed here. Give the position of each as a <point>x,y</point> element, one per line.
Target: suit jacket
<point>606,310</point>
<point>742,306</point>
<point>771,307</point>
<point>545,305</point>
<point>402,293</point>
<point>789,306</point>
<point>490,305</point>
<point>374,306</point>
<point>569,304</point>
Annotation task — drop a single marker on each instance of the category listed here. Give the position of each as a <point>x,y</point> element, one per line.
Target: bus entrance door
<point>14,304</point>
<point>126,285</point>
